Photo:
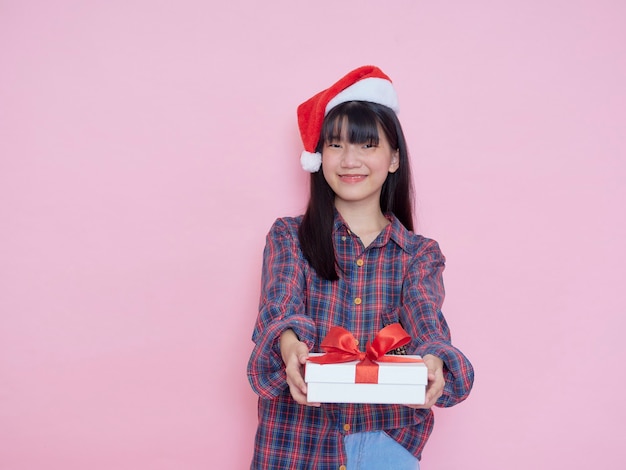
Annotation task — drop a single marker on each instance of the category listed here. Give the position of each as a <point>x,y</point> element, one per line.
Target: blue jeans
<point>377,451</point>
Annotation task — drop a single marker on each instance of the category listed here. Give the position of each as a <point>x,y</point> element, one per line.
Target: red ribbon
<point>341,346</point>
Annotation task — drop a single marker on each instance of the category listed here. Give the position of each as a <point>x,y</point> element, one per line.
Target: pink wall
<point>146,147</point>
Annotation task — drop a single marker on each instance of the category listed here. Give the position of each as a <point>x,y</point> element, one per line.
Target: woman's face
<point>356,172</point>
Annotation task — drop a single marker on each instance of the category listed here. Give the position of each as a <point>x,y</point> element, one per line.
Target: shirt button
<point>357,300</point>
<point>344,238</point>
<point>346,427</point>
<point>359,262</point>
<point>343,467</point>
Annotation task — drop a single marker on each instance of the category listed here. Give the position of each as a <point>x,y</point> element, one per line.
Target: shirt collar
<point>395,231</point>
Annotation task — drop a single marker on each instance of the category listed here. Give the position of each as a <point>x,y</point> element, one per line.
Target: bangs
<point>360,121</point>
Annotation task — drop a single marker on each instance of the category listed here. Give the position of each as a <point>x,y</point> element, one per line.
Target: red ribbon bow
<point>341,346</point>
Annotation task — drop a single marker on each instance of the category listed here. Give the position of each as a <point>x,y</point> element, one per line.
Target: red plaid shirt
<point>398,278</point>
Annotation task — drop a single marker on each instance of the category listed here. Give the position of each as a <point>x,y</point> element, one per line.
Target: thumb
<point>303,353</point>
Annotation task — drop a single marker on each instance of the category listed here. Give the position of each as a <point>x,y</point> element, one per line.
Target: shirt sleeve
<point>282,306</point>
<point>421,316</point>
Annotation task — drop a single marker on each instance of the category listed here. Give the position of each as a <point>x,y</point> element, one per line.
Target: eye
<point>334,145</point>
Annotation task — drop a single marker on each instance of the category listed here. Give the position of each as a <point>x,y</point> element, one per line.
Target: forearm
<point>266,367</point>
<point>458,371</point>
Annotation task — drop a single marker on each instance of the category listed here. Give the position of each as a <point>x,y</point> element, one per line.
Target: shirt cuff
<point>266,370</point>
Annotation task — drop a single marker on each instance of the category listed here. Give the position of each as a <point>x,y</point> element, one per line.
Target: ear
<point>395,161</point>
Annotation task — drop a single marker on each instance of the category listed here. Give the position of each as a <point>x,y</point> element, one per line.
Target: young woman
<point>352,260</point>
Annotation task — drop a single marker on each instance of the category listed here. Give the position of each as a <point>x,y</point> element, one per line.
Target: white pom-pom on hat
<point>311,162</point>
<point>367,83</point>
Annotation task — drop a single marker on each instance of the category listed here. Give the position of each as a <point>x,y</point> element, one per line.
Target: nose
<point>350,157</point>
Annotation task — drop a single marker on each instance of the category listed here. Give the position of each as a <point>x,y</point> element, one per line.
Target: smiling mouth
<point>352,178</point>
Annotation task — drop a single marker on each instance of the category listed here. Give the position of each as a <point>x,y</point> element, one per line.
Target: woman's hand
<point>436,382</point>
<point>295,353</point>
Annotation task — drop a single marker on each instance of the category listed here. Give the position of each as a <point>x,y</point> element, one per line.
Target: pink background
<point>147,146</point>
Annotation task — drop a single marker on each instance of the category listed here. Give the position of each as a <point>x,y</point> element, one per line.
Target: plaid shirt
<point>398,278</point>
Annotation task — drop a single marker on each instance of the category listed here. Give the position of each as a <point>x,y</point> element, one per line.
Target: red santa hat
<point>367,83</point>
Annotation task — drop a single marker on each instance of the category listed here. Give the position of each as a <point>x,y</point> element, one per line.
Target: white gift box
<point>398,383</point>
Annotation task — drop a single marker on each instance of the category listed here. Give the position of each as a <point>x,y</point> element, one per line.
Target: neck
<point>365,221</point>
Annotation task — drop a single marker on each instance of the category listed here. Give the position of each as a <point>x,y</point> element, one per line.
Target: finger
<point>431,399</point>
<point>301,385</point>
<point>298,396</point>
<point>302,352</point>
<point>297,386</point>
<point>433,372</point>
<point>416,407</point>
<point>295,379</point>
<point>434,391</point>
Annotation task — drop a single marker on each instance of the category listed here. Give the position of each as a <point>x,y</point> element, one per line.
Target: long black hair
<point>396,197</point>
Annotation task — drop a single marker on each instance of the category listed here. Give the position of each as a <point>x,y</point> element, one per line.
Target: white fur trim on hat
<point>376,90</point>
<point>311,162</point>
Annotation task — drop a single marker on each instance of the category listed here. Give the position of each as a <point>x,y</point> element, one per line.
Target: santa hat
<point>367,83</point>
